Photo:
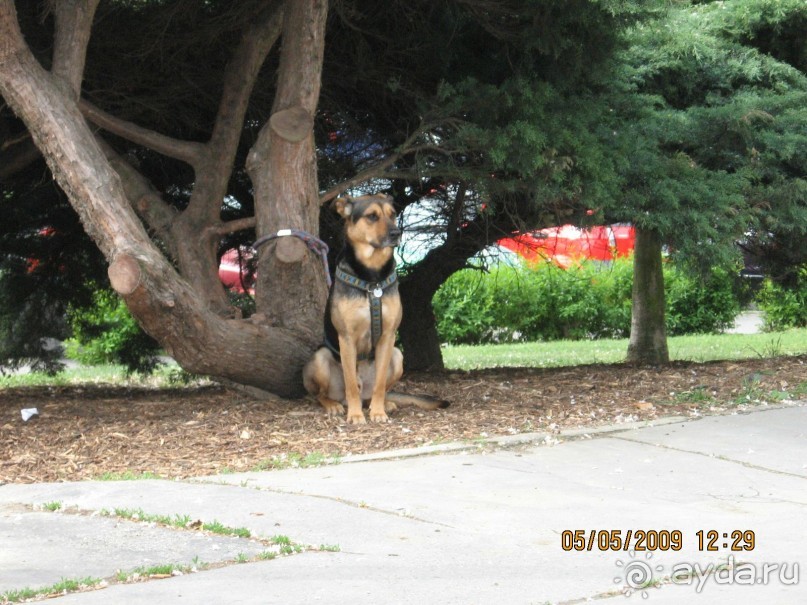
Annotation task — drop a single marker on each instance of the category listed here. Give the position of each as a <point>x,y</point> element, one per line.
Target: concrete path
<point>465,528</point>
<point>747,322</point>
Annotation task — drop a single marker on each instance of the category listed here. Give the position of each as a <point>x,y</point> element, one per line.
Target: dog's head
<point>369,220</point>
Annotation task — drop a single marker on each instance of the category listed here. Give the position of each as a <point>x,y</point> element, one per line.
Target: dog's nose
<point>395,232</point>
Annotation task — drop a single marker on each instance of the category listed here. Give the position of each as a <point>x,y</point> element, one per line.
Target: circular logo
<point>637,575</point>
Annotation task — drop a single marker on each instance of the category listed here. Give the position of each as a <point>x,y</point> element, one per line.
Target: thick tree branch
<point>213,169</point>
<point>372,172</point>
<point>189,152</point>
<point>9,32</point>
<point>147,202</point>
<point>73,25</point>
<point>240,224</point>
<point>240,76</point>
<point>284,175</point>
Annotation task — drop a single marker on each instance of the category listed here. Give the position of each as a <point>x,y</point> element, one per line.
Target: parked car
<point>567,245</point>
<point>236,271</point>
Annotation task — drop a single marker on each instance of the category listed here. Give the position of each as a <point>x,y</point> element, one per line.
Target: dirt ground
<point>97,431</point>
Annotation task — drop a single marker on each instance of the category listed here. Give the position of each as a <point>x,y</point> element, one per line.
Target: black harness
<point>375,292</point>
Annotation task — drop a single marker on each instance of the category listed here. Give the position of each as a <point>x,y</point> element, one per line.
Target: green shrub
<point>467,313</point>
<point>699,306</point>
<point>784,307</point>
<point>105,332</point>
<point>544,302</point>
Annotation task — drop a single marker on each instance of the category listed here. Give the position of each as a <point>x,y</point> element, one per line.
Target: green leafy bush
<point>464,307</point>
<point>105,332</point>
<point>699,306</point>
<point>784,307</point>
<point>593,300</point>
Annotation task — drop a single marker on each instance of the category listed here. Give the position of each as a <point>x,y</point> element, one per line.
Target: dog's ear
<point>343,206</point>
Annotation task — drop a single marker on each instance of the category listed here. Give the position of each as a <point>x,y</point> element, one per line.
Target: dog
<point>359,360</point>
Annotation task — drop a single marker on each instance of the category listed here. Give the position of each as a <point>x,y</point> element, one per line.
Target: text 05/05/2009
<point>654,540</point>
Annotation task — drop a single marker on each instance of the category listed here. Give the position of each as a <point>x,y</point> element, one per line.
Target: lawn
<point>698,348</point>
<point>554,354</point>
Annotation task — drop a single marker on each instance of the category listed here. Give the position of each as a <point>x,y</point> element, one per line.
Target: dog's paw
<point>376,416</point>
<point>390,406</point>
<point>334,409</point>
<point>357,418</point>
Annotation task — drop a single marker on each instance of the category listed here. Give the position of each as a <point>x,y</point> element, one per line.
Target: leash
<point>314,244</point>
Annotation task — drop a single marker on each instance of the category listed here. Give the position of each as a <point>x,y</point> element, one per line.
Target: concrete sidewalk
<point>485,527</point>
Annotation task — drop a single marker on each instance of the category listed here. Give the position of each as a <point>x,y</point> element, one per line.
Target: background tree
<point>695,109</point>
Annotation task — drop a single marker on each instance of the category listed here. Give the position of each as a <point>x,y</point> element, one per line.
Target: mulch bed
<point>85,432</point>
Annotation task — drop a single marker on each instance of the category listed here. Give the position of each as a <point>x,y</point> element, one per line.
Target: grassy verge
<point>164,376</point>
<point>559,353</point>
<point>699,348</point>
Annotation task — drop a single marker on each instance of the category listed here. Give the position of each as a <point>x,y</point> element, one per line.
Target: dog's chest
<point>352,317</point>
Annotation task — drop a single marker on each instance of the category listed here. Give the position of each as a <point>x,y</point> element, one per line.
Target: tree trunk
<point>418,331</point>
<point>648,334</point>
<point>291,289</point>
<point>269,357</point>
<point>464,238</point>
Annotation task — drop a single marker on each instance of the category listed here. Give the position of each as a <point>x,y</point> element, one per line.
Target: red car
<point>234,270</point>
<point>567,245</point>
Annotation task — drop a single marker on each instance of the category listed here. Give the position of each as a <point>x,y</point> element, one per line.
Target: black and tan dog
<point>359,360</point>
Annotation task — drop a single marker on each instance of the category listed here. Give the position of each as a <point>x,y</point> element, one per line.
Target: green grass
<point>286,545</point>
<point>699,348</point>
<point>179,521</point>
<point>295,460</point>
<point>61,587</point>
<point>217,528</point>
<point>164,376</point>
<point>561,353</point>
<point>165,569</point>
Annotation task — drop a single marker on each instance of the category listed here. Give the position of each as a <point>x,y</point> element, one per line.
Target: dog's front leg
<point>347,349</point>
<point>383,354</point>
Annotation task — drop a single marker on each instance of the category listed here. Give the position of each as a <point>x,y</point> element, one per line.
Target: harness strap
<point>314,244</point>
<point>374,290</point>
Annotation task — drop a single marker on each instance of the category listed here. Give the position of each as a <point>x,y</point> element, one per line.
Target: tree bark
<point>648,334</point>
<point>291,288</point>
<point>418,332</point>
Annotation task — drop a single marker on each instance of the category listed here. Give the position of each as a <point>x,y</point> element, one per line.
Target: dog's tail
<point>424,402</point>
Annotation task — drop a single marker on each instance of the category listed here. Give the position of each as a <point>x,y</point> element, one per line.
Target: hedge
<point>593,300</point>
<point>784,307</point>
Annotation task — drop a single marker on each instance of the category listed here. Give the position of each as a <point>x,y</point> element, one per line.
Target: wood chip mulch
<point>85,432</point>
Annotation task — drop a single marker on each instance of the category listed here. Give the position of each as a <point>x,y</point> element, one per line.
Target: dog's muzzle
<point>393,238</point>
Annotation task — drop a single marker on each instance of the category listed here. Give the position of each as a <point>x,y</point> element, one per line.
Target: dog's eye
<point>372,217</point>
